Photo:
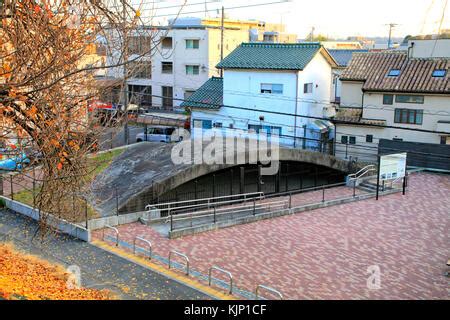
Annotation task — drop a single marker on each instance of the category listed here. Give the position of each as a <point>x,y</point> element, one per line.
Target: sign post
<point>391,167</point>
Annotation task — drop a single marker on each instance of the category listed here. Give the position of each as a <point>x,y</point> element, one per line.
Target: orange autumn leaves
<point>27,277</point>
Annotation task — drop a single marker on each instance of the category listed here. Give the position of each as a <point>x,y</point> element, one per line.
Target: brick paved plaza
<point>326,253</point>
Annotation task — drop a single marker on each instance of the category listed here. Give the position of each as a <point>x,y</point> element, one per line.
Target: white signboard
<point>392,166</point>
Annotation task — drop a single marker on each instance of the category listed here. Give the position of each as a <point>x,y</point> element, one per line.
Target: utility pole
<point>221,39</point>
<point>312,34</point>
<point>125,71</point>
<point>391,26</point>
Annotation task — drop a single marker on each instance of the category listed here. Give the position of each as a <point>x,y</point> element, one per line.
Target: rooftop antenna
<point>391,26</point>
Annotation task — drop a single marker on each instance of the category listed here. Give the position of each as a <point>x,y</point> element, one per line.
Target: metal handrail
<point>115,230</point>
<point>362,172</point>
<point>220,203</point>
<point>296,191</point>
<point>143,240</point>
<point>180,255</point>
<point>279,206</point>
<point>223,271</point>
<point>268,289</point>
<point>207,200</point>
<point>204,213</point>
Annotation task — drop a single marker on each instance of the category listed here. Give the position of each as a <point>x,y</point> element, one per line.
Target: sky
<point>334,18</point>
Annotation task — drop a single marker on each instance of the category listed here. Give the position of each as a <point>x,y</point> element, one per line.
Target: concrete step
<point>372,186</point>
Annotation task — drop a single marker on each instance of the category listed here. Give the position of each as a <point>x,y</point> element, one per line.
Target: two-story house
<point>382,90</point>
<point>273,87</point>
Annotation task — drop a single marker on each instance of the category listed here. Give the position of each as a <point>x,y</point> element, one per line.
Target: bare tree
<point>47,81</point>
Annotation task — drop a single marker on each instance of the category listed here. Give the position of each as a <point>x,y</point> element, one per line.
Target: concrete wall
<point>362,150</point>
<point>112,221</point>
<point>60,224</point>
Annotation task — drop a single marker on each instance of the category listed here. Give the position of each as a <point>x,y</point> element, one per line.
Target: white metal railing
<point>187,204</point>
<point>215,213</point>
<point>260,286</point>
<point>180,255</point>
<point>116,232</point>
<point>143,240</point>
<point>362,172</point>
<point>228,273</point>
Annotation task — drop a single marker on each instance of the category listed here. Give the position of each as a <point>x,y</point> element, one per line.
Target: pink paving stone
<point>325,253</point>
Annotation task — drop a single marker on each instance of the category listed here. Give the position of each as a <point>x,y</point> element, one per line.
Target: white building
<point>342,58</point>
<point>383,89</point>
<point>262,78</point>
<point>180,57</point>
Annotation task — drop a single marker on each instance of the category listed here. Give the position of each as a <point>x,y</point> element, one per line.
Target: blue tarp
<point>14,163</point>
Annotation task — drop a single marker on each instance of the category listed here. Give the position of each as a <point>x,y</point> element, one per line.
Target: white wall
<point>242,88</point>
<point>374,109</point>
<point>435,108</point>
<point>430,48</point>
<point>319,73</point>
<point>207,56</point>
<point>351,94</point>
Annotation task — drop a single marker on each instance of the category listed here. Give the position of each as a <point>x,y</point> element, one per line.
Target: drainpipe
<point>362,105</point>
<point>296,107</point>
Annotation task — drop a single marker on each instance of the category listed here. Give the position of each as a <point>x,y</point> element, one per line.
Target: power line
<point>227,8</point>
<point>301,116</point>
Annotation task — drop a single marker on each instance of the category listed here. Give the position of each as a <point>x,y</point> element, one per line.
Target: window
<point>273,88</point>
<point>167,67</point>
<point>443,140</point>
<point>166,43</point>
<point>167,100</point>
<point>192,44</point>
<point>140,95</point>
<point>344,139</point>
<point>188,93</point>
<point>307,88</point>
<point>218,125</point>
<point>204,124</point>
<point>140,69</point>
<point>439,73</point>
<point>369,138</point>
<point>388,98</point>
<point>352,140</point>
<point>139,45</point>
<point>394,73</point>
<point>257,128</point>
<point>410,116</point>
<point>192,70</point>
<point>409,99</point>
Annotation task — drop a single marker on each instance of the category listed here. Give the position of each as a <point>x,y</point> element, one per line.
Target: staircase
<point>371,186</point>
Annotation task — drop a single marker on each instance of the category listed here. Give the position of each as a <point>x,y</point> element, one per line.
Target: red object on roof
<point>98,104</point>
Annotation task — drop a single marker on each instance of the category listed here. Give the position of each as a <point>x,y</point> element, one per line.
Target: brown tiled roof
<point>355,115</point>
<point>415,73</point>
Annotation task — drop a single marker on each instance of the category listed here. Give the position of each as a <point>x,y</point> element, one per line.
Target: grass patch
<point>101,161</point>
<point>97,165</point>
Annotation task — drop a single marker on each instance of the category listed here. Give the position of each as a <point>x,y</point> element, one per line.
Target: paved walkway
<point>99,269</point>
<point>326,253</point>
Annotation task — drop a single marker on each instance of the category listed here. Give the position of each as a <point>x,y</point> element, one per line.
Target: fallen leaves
<point>28,277</point>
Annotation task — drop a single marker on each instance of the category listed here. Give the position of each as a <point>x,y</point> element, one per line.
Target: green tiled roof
<point>209,95</point>
<point>288,56</point>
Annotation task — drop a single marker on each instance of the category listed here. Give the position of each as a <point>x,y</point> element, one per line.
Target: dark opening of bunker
<point>292,176</point>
